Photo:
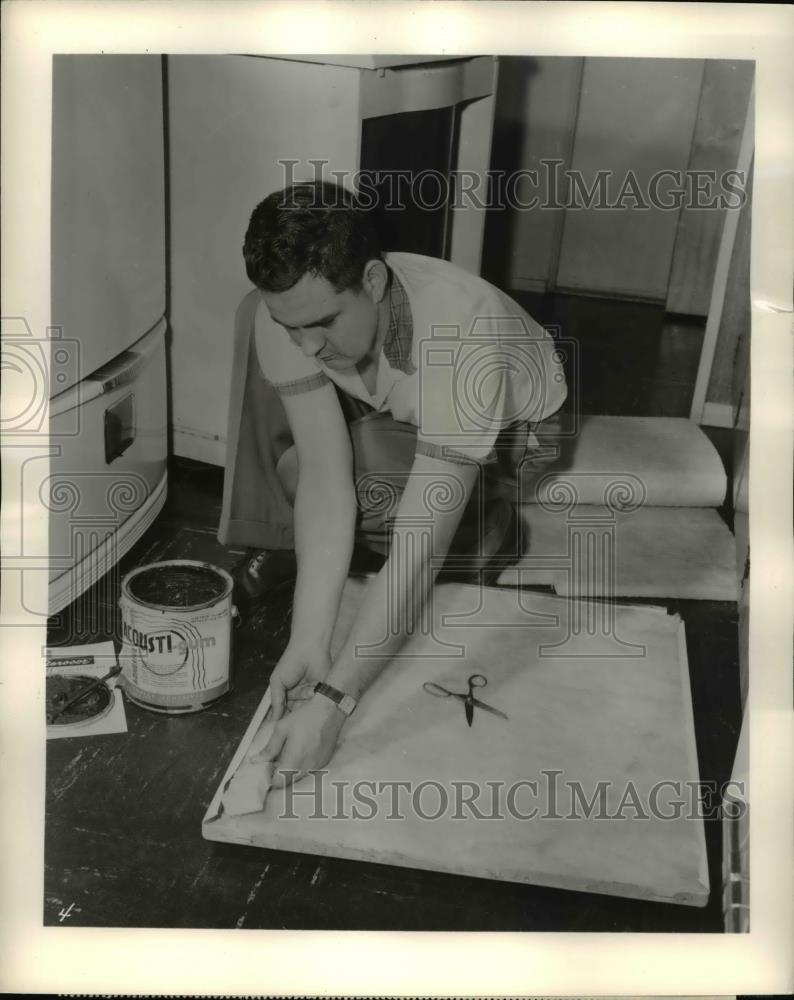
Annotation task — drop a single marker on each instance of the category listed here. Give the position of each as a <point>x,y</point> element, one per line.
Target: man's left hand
<point>303,740</point>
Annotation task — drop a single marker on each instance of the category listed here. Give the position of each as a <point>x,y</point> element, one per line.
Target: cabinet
<point>565,120</point>
<point>240,127</point>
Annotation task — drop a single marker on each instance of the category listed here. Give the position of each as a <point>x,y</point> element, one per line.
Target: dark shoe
<point>260,573</point>
<point>512,546</point>
<point>366,560</point>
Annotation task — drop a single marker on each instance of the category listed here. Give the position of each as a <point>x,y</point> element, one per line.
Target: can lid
<point>177,585</point>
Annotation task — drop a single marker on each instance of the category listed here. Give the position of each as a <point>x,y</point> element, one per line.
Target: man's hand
<point>295,675</point>
<point>304,740</point>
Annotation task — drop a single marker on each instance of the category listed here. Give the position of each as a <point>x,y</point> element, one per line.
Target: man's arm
<point>398,597</point>
<point>325,513</point>
<point>393,602</point>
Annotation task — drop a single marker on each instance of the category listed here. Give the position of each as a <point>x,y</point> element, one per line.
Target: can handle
<point>236,616</point>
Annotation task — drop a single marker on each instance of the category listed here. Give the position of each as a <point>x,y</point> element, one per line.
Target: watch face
<point>347,704</point>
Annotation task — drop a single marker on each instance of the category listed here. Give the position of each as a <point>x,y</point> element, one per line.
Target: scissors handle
<point>435,689</point>
<point>477,681</point>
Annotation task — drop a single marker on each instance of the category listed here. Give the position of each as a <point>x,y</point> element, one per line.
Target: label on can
<point>174,661</point>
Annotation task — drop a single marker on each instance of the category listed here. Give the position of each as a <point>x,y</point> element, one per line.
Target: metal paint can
<point>176,621</point>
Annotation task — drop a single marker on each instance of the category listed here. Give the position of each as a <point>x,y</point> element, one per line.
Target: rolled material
<point>666,462</point>
<point>673,552</point>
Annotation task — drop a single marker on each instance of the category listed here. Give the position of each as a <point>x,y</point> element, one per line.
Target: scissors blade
<point>469,706</point>
<point>488,708</point>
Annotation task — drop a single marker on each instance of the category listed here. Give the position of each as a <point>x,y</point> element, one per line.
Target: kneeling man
<point>417,400</point>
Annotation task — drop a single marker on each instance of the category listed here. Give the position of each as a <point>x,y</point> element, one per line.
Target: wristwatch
<point>345,702</point>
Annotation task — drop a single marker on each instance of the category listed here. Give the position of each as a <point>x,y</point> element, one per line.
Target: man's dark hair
<point>313,228</point>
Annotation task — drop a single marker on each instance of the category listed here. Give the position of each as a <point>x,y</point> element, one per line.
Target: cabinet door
<point>635,116</point>
<point>232,120</point>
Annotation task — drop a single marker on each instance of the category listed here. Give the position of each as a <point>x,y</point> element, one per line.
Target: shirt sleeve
<point>503,373</point>
<point>281,361</point>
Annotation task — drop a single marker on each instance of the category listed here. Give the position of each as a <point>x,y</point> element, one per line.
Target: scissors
<point>469,701</point>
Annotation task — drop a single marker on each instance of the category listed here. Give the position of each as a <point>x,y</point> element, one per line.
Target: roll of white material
<point>671,552</point>
<point>671,457</point>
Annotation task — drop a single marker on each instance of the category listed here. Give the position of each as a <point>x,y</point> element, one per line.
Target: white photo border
<point>35,958</point>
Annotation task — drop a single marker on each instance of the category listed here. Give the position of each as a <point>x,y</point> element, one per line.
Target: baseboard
<point>75,581</point>
<point>200,447</point>
<point>528,284</point>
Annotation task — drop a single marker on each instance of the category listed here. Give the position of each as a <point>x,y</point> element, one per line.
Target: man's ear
<point>376,279</point>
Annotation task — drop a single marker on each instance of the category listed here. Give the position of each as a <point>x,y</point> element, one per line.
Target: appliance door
<point>107,470</point>
<point>108,209</point>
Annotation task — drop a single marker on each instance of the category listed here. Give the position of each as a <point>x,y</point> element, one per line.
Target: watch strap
<point>345,702</point>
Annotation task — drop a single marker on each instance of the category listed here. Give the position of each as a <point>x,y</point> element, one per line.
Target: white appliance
<point>106,480</point>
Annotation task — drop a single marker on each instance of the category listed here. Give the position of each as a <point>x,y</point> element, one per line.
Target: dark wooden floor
<point>630,357</point>
<point>123,829</point>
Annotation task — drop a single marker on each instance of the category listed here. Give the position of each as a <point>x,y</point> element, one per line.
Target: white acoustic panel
<point>678,552</point>
<point>609,712</point>
<point>656,461</point>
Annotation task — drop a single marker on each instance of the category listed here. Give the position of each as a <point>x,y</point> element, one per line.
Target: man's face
<point>339,328</point>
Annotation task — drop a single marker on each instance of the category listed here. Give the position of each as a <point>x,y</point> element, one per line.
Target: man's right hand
<point>295,675</point>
